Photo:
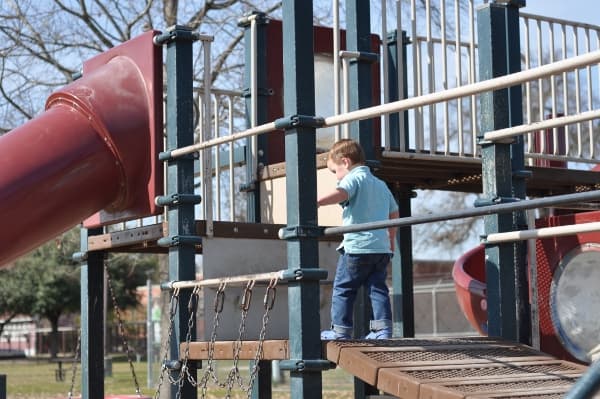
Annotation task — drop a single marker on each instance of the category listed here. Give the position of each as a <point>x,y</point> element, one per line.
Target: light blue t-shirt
<point>369,200</point>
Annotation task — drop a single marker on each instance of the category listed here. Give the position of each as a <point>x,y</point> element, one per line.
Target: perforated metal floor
<point>455,368</point>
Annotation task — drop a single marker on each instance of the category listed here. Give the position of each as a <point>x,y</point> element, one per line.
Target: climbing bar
<point>542,125</point>
<point>518,205</point>
<point>545,232</point>
<point>468,90</point>
<point>265,128</point>
<point>214,282</point>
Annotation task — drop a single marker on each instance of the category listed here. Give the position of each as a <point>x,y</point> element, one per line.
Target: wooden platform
<point>448,368</point>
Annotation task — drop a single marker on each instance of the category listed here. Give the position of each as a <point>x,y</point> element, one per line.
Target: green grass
<point>35,379</point>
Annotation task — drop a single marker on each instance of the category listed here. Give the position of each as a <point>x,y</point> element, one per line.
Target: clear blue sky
<point>573,10</point>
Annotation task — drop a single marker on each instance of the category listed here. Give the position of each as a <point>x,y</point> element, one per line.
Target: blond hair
<point>346,148</point>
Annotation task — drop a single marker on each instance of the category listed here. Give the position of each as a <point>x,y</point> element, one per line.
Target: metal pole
<point>557,231</point>
<point>149,334</point>
<point>301,183</point>
<point>545,202</point>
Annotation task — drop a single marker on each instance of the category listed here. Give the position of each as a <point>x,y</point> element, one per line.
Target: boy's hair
<point>346,148</point>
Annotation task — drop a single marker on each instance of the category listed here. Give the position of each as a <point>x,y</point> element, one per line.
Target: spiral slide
<point>469,280</point>
<point>91,155</point>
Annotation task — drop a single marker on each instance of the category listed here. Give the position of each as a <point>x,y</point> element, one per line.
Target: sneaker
<point>384,333</point>
<point>333,335</point>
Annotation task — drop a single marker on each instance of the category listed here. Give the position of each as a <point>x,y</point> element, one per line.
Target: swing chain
<point>234,373</point>
<point>74,366</point>
<point>121,329</point>
<point>268,302</point>
<point>192,306</point>
<point>210,371</point>
<point>173,304</point>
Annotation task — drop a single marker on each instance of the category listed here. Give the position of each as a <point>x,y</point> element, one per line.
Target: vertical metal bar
<point>499,54</point>
<point>386,72</point>
<point>301,182</point>
<point>553,89</point>
<point>430,80</point>
<point>473,78</point>
<point>445,76</point>
<point>346,80</point>
<point>231,158</point>
<point>149,335</point>
<point>207,135</point>
<point>401,77</point>
<point>255,76</point>
<point>528,99</point>
<point>588,70</point>
<point>217,163</point>
<point>92,306</point>
<point>458,64</point>
<point>542,148</point>
<point>336,65</point>
<point>180,172</point>
<point>565,109</point>
<point>418,125</point>
<point>402,270</point>
<point>578,97</point>
<point>2,386</point>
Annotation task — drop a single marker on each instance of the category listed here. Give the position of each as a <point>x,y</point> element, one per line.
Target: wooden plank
<point>139,236</point>
<point>406,381</point>
<point>224,350</point>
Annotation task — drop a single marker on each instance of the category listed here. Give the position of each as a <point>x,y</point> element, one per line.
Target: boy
<point>364,255</point>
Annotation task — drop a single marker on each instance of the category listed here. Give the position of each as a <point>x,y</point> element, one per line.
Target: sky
<point>572,10</point>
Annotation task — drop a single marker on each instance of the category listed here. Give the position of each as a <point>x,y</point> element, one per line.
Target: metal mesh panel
<point>552,369</point>
<point>434,354</point>
<point>515,385</point>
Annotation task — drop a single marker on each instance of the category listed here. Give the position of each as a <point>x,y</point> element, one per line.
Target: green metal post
<point>358,38</point>
<point>402,265</point>
<point>251,187</point>
<point>301,183</point>
<point>92,323</point>
<point>499,54</point>
<point>180,177</point>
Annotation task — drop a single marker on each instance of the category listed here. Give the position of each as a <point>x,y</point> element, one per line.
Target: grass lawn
<point>35,379</point>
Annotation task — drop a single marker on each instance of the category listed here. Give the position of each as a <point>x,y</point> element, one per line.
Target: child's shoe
<point>384,333</point>
<point>333,335</point>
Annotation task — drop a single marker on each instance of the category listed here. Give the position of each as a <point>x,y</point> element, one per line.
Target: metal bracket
<point>291,232</point>
<point>173,241</point>
<point>165,156</point>
<point>304,365</point>
<point>176,32</point>
<point>249,187</point>
<point>80,257</point>
<point>493,201</point>
<point>261,91</point>
<point>304,274</point>
<point>294,121</point>
<point>176,199</point>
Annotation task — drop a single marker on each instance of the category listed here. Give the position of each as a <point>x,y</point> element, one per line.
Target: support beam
<point>301,183</point>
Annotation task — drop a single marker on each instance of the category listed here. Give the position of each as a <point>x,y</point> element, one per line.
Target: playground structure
<point>490,162</point>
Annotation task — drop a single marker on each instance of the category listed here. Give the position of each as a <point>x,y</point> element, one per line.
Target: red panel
<point>323,44</point>
<point>549,253</point>
<point>95,147</point>
<point>549,145</point>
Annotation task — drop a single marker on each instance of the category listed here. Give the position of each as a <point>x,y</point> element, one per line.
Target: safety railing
<point>442,54</point>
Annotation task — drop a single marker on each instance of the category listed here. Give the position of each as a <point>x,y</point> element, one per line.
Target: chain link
<point>74,366</point>
<point>173,304</point>
<point>122,332</point>
<point>268,302</point>
<point>210,372</point>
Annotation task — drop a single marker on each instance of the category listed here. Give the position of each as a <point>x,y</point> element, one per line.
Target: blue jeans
<point>354,271</point>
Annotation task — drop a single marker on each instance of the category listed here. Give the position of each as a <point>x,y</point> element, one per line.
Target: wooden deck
<point>445,368</point>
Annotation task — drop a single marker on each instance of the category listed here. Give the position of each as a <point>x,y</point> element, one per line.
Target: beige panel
<point>273,198</point>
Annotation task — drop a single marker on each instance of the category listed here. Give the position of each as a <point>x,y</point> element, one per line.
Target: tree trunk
<point>53,337</point>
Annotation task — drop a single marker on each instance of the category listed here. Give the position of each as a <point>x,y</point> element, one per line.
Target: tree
<point>44,43</point>
<point>46,282</point>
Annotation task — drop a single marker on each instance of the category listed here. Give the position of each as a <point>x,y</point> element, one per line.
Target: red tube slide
<point>93,151</point>
<point>469,280</point>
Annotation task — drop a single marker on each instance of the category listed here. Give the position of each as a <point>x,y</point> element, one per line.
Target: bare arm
<point>333,197</point>
<point>392,231</point>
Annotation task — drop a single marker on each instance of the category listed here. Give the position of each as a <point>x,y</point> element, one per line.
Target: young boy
<point>364,256</point>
